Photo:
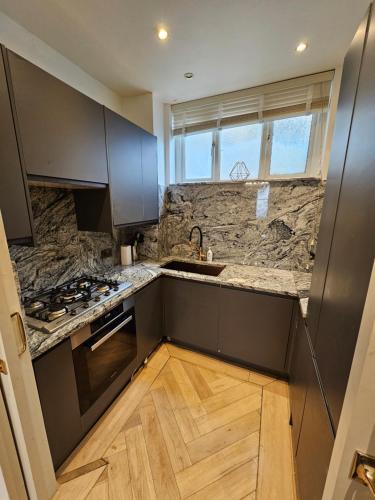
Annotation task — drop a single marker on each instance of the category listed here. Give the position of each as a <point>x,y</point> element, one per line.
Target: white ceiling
<point>227,44</point>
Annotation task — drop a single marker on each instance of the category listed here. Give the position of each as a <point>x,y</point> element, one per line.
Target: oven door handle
<point>111,333</point>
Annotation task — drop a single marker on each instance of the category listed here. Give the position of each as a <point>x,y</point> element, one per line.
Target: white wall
<point>27,45</point>
<point>139,110</point>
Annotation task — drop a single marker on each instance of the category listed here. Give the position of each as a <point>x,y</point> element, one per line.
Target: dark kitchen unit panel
<point>315,442</point>
<point>299,375</point>
<point>14,197</point>
<point>124,143</point>
<point>149,313</point>
<point>254,328</point>
<point>55,378</point>
<point>343,122</point>
<point>353,244</point>
<point>191,313</point>
<point>150,177</point>
<point>132,166</point>
<point>61,130</point>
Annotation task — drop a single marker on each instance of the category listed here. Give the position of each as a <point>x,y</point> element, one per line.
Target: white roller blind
<point>266,102</point>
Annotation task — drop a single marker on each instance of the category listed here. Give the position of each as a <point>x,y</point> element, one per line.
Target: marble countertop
<point>268,280</point>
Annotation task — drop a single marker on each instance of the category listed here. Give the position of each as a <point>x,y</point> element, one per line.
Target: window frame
<point>313,161</point>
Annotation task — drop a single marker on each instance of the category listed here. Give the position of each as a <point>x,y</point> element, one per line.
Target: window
<point>287,147</point>
<point>276,130</point>
<point>240,144</point>
<point>290,145</point>
<point>198,156</point>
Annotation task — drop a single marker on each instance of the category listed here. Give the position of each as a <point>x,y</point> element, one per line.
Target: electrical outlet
<point>105,253</point>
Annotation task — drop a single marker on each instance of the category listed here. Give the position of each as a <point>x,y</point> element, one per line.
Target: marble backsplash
<point>272,224</point>
<point>61,252</point>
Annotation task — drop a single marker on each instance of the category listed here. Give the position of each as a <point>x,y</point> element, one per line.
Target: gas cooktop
<point>51,309</point>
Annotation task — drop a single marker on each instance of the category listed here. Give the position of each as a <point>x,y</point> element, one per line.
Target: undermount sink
<point>193,267</point>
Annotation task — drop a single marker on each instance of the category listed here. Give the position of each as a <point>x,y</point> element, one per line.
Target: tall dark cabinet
<point>324,347</point>
<point>352,247</point>
<point>14,201</point>
<point>343,122</point>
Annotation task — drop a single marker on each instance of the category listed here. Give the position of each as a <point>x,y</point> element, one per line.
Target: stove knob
<point>115,288</point>
<point>86,305</point>
<point>73,313</point>
<point>107,293</point>
<point>97,298</point>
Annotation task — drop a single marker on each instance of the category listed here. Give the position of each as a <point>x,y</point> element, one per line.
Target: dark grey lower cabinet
<point>315,442</point>
<point>54,373</point>
<point>191,313</point>
<point>300,373</point>
<point>254,327</point>
<point>149,318</point>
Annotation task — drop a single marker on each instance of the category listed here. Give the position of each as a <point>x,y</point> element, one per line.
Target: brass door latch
<point>363,470</point>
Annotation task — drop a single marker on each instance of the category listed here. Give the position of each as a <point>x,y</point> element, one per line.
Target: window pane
<point>198,156</point>
<point>290,145</point>
<point>240,144</point>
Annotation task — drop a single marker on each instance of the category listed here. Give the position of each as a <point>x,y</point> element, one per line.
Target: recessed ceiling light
<point>301,47</point>
<point>162,34</point>
<point>188,75</point>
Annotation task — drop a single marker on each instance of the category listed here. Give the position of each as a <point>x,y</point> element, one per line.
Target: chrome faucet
<point>201,253</point>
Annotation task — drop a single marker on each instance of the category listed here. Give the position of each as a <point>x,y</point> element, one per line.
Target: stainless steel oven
<point>103,351</point>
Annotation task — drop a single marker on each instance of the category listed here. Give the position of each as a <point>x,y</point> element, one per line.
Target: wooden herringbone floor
<point>188,426</point>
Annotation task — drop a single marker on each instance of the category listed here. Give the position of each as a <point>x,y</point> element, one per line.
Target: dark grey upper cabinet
<point>255,328</point>
<point>150,177</point>
<point>315,442</point>
<point>149,318</point>
<point>14,203</point>
<point>343,121</point>
<point>191,313</point>
<point>353,244</point>
<point>61,130</point>
<point>124,143</point>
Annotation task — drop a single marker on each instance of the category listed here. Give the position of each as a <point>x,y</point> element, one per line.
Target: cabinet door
<point>150,177</point>
<point>149,318</point>
<point>343,121</point>
<point>124,145</point>
<point>254,328</point>
<point>55,378</point>
<point>13,197</point>
<point>353,244</point>
<point>315,442</point>
<point>191,312</point>
<point>62,130</point>
<point>300,372</point>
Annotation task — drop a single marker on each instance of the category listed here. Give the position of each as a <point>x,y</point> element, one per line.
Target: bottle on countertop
<point>209,255</point>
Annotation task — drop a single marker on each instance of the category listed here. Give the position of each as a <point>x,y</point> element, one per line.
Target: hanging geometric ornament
<point>239,172</point>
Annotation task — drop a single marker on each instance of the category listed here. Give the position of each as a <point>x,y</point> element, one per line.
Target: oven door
<point>99,360</point>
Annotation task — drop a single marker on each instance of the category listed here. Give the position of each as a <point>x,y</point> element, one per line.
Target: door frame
<point>12,478</point>
<point>19,387</point>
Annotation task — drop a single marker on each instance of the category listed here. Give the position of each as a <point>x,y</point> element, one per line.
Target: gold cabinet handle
<point>366,474</point>
<point>22,330</point>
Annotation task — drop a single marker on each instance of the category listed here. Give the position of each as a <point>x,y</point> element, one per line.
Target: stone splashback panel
<point>61,252</point>
<point>272,224</point>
